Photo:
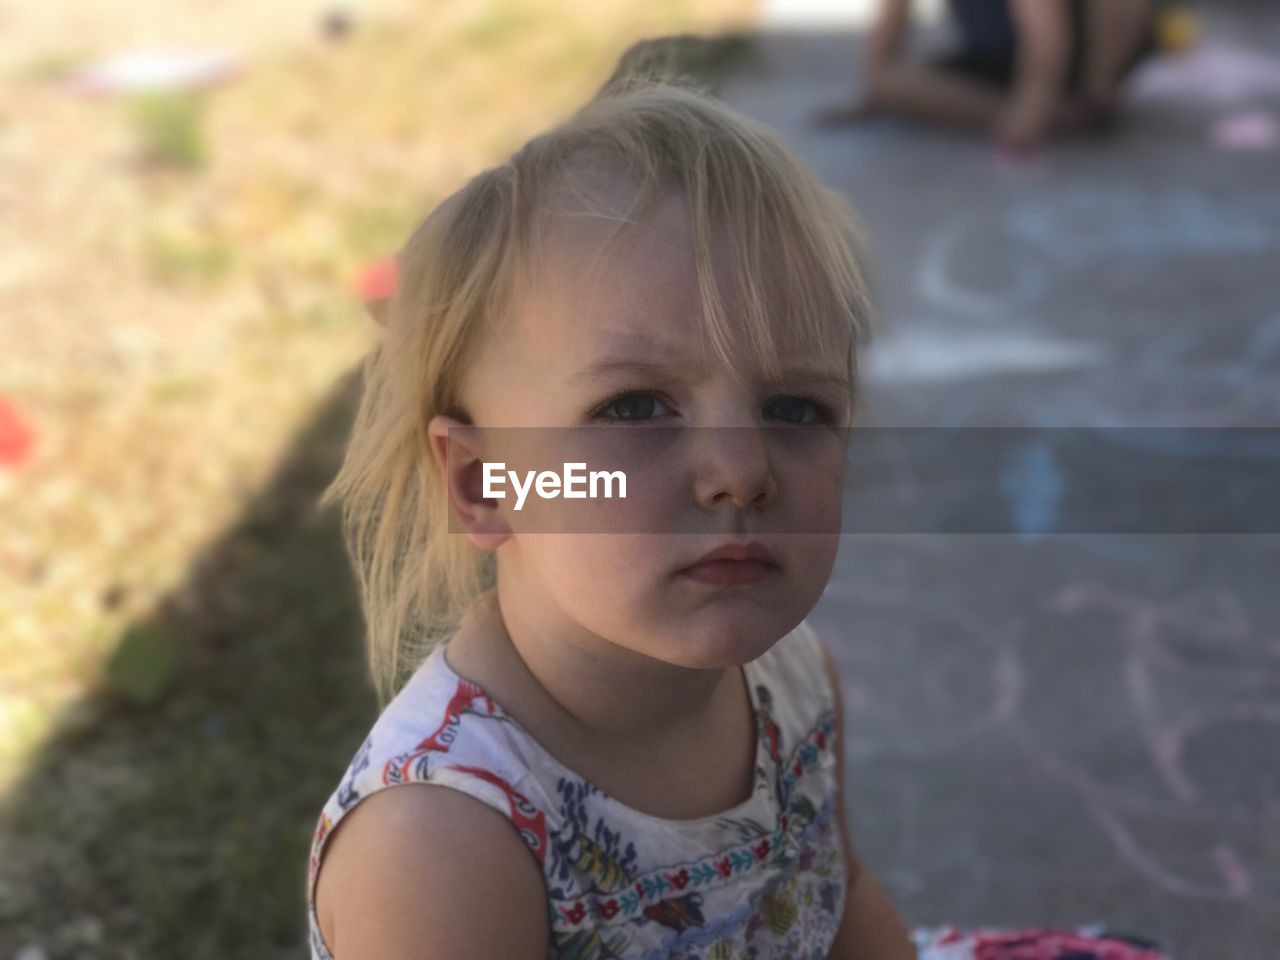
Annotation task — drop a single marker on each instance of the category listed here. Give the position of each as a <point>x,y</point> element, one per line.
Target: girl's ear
<point>458,456</point>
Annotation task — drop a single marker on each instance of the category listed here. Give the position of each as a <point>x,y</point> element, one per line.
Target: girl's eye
<point>800,410</point>
<point>639,405</point>
<point>629,406</point>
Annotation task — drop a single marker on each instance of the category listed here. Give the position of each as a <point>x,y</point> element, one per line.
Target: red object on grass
<point>17,436</point>
<point>377,280</point>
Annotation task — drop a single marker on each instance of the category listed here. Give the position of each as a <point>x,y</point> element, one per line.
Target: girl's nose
<point>731,464</point>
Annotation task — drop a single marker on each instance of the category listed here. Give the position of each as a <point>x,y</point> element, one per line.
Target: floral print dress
<point>765,879</point>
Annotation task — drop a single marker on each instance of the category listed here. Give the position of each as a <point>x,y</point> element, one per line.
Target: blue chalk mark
<point>1034,486</point>
<point>1265,341</point>
<point>1091,225</point>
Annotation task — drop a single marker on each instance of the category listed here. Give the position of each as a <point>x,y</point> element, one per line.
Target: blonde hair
<point>794,243</point>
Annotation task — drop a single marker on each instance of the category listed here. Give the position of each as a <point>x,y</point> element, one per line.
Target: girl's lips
<point>728,573</point>
<point>752,550</point>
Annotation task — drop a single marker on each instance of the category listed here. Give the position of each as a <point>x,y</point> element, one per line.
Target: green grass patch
<point>173,257</point>
<point>51,66</point>
<point>145,663</point>
<point>378,230</point>
<point>169,128</point>
<point>498,27</point>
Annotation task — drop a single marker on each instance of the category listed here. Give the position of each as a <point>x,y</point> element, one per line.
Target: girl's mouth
<point>728,573</point>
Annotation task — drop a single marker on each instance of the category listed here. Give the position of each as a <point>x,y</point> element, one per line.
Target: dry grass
<point>180,677</point>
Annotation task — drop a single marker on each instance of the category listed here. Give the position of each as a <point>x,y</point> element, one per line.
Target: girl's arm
<point>870,928</point>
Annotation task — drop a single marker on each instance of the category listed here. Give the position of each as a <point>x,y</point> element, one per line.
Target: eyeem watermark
<point>573,483</point>
<point>1028,481</point>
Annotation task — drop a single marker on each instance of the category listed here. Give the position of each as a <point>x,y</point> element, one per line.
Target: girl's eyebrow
<point>601,368</point>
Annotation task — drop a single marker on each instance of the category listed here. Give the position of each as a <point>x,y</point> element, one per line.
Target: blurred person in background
<point>1023,69</point>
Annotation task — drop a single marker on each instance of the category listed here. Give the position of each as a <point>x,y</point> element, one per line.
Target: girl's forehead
<point>581,288</point>
<point>636,287</point>
<point>581,245</point>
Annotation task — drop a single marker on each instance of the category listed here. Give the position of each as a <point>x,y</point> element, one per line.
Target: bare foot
<point>842,114</point>
<point>1088,116</point>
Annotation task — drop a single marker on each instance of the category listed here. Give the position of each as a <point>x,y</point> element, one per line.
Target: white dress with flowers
<point>765,879</point>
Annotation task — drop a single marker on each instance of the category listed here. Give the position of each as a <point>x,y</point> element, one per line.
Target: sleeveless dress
<point>764,879</point>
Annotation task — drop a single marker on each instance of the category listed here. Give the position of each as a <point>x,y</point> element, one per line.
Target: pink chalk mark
<point>1244,131</point>
<point>1210,614</point>
<point>1236,883</point>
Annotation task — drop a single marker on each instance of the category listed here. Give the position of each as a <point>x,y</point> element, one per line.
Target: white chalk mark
<point>937,353</point>
<point>799,14</point>
<point>152,70</point>
<point>939,286</point>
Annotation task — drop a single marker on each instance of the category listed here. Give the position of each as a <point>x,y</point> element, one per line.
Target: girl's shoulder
<point>439,729</point>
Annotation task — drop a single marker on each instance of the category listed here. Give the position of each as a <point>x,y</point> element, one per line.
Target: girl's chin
<point>726,642</point>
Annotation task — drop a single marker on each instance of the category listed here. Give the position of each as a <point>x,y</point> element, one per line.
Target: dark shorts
<point>983,57</point>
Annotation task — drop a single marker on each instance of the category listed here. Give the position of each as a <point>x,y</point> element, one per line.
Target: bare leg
<point>933,95</point>
<point>851,111</point>
<point>1115,30</point>
<point>938,96</point>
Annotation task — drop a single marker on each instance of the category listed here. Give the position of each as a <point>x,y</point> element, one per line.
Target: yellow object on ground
<point>1177,29</point>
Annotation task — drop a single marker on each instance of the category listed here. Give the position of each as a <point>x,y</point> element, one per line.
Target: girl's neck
<point>595,694</point>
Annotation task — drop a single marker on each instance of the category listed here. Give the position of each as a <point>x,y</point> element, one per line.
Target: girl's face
<point>615,373</point>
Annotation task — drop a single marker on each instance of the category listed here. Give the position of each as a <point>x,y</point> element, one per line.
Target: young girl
<point>641,736</point>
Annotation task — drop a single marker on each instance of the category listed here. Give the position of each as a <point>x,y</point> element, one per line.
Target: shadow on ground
<point>183,825</point>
